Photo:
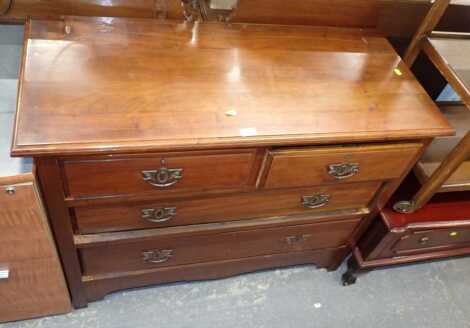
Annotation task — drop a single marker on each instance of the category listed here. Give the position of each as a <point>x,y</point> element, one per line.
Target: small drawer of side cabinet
<point>424,240</point>
<point>396,238</point>
<point>297,167</point>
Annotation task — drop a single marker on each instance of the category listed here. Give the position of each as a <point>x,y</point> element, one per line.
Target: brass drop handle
<point>343,170</point>
<point>424,240</point>
<point>454,234</point>
<point>157,256</point>
<point>316,201</point>
<point>294,240</point>
<point>163,177</point>
<point>158,215</point>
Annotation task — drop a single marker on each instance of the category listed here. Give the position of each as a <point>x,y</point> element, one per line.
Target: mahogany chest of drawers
<point>169,152</point>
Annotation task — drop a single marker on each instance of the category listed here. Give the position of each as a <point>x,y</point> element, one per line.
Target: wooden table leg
<point>458,155</point>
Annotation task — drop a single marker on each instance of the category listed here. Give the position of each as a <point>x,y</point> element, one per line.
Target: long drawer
<point>162,173</point>
<point>309,166</point>
<point>226,208</point>
<point>173,250</point>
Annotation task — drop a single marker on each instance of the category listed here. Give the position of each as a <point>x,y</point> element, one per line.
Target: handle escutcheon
<point>423,240</point>
<point>157,256</point>
<point>316,201</point>
<point>158,215</point>
<point>343,170</point>
<point>296,240</point>
<point>163,177</point>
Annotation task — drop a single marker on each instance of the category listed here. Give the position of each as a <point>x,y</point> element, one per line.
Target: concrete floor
<point>10,54</point>
<point>427,295</point>
<point>431,295</point>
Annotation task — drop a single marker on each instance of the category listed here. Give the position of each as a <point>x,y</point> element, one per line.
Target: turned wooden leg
<point>353,272</point>
<point>350,276</point>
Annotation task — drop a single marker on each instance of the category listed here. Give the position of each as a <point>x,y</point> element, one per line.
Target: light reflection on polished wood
<point>114,84</point>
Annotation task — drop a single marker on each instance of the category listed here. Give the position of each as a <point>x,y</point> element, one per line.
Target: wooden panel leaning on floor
<point>143,143</point>
<point>31,279</point>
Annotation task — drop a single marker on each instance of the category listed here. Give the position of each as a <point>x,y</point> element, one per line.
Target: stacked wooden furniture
<point>32,283</point>
<point>415,229</point>
<point>169,151</point>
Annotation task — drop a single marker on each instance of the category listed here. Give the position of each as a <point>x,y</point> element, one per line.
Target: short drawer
<point>173,250</point>
<point>419,241</point>
<point>227,208</point>
<point>162,173</point>
<point>298,167</point>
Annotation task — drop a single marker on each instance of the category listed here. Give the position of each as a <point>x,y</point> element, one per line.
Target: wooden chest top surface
<point>92,85</point>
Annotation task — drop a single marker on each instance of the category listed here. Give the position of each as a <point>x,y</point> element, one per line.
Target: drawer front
<point>161,174</point>
<point>419,241</point>
<point>220,209</point>
<point>171,251</point>
<point>314,166</point>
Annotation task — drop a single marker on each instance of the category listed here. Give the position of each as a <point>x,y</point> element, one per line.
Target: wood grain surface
<point>128,216</point>
<point>119,84</point>
<point>36,285</point>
